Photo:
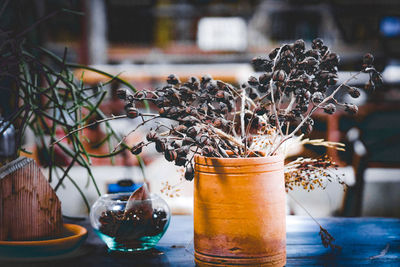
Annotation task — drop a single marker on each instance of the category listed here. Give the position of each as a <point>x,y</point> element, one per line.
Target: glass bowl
<point>138,229</point>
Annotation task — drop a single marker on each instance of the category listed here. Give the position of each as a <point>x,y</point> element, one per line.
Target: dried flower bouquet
<point>215,119</point>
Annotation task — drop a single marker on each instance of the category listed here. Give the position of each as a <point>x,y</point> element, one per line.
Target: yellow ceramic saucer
<point>72,237</point>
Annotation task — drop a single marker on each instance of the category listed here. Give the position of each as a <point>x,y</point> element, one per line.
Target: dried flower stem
<point>132,131</point>
<point>88,125</point>
<point>326,100</point>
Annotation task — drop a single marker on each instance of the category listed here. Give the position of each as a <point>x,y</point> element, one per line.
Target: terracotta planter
<point>239,211</point>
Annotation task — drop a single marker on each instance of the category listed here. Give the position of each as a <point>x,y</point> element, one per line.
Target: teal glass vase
<point>137,229</point>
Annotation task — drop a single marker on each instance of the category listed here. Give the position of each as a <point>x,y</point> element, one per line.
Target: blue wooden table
<point>364,241</point>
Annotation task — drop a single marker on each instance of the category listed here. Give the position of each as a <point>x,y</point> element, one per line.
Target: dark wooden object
<point>29,208</point>
<point>364,241</point>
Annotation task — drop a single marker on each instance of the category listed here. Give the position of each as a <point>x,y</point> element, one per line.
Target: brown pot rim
<point>203,160</point>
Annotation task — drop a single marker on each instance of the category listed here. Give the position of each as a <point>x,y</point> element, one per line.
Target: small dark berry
<point>253,81</point>
<point>330,108</point>
<point>173,79</point>
<point>351,108</point>
<point>265,78</point>
<point>317,43</point>
<point>137,149</point>
<point>180,161</point>
<point>354,92</point>
<point>160,145</point>
<point>273,53</point>
<point>368,59</point>
<point>140,95</point>
<point>252,93</point>
<point>170,155</point>
<point>187,141</point>
<point>151,136</point>
<point>132,112</point>
<point>181,128</point>
<point>191,132</point>
<point>189,173</point>
<point>164,111</point>
<point>317,98</point>
<point>206,78</point>
<point>207,150</point>
<point>299,46</point>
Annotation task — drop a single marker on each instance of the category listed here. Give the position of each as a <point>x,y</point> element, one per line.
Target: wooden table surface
<point>364,241</point>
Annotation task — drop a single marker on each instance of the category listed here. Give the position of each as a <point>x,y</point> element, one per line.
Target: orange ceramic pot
<point>239,211</point>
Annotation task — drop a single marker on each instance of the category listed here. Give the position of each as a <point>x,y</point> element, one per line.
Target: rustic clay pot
<point>239,211</point>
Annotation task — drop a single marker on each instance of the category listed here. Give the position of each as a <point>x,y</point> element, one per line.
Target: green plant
<point>46,97</point>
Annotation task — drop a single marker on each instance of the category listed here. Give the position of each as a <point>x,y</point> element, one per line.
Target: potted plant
<point>232,142</point>
<point>41,93</point>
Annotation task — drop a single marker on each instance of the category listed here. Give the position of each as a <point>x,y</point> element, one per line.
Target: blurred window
<point>292,25</point>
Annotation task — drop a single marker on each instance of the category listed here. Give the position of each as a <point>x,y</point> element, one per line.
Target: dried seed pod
<point>183,151</point>
<point>279,75</point>
<point>170,155</point>
<point>353,92</point>
<point>377,79</point>
<point>368,60</point>
<point>317,43</point>
<point>176,143</point>
<point>273,53</point>
<point>121,93</point>
<point>263,88</point>
<point>218,123</point>
<point>351,108</point>
<point>180,161</point>
<point>299,46</point>
<point>207,150</point>
<point>189,173</point>
<point>132,112</point>
<point>173,79</point>
<point>192,132</point>
<point>330,108</point>
<point>252,93</point>
<point>194,81</point>
<point>187,141</point>
<point>332,81</point>
<point>323,50</point>
<point>317,98</point>
<point>173,112</point>
<point>253,81</point>
<point>164,111</point>
<point>258,61</point>
<point>203,139</point>
<point>160,145</point>
<point>151,136</point>
<point>140,95</point>
<point>137,149</point>
<point>206,78</point>
<point>307,126</point>
<point>180,128</point>
<point>333,58</point>
<point>222,95</point>
<point>265,78</point>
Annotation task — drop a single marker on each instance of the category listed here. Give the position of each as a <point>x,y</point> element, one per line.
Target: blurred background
<point>144,41</point>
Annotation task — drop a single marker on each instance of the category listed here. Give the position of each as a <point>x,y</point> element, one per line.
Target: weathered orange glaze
<point>239,211</point>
